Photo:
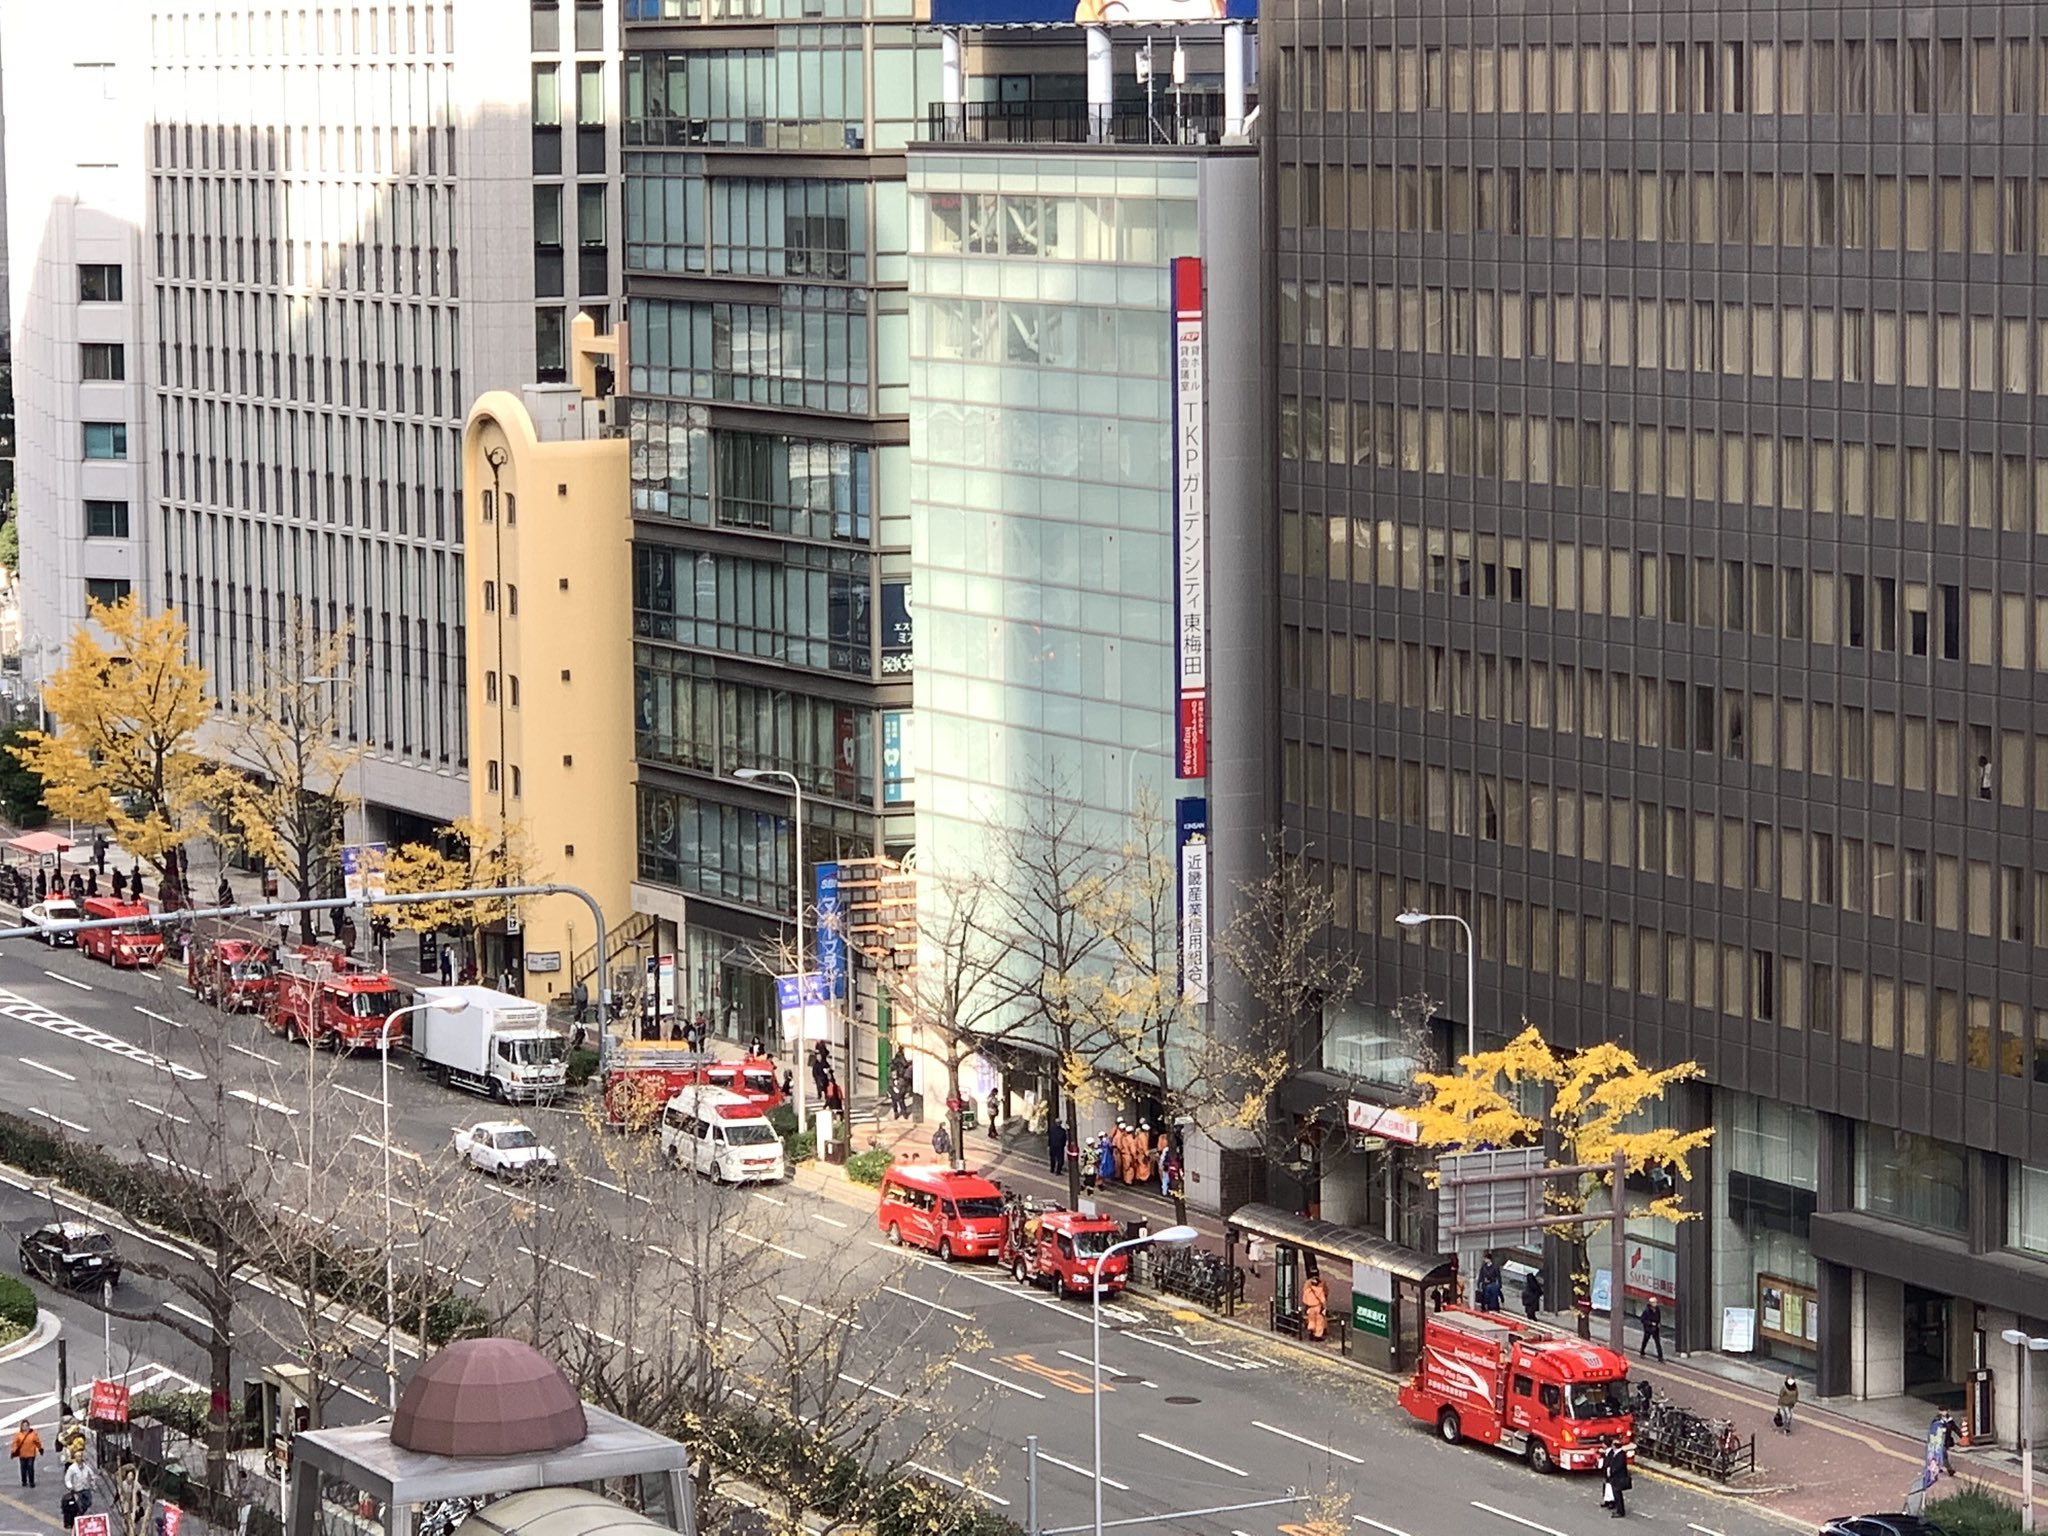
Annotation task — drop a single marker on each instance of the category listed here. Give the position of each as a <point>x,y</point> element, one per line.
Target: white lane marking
<point>189,1316</point>
<point>830,1221</point>
<point>1086,1472</point>
<point>245,1051</point>
<point>184,989</point>
<point>260,1102</point>
<point>869,1386</point>
<point>1144,1338</point>
<point>558,1264</point>
<point>41,1068</point>
<point>360,1395</point>
<point>1703,1530</point>
<point>1000,1287</point>
<point>965,1317</point>
<point>26,1011</point>
<point>69,1125</point>
<point>161,1018</point>
<point>771,1199</point>
<point>763,1242</point>
<point>615,1189</point>
<point>357,1093</point>
<point>161,1114</point>
<point>1220,1466</point>
<point>980,1493</point>
<point>185,1169</point>
<point>82,986</point>
<point>805,1306</point>
<point>375,1145</point>
<point>1314,1445</point>
<point>1110,1372</point>
<point>1390,1530</point>
<point>1008,1386</point>
<point>1518,1519</point>
<point>674,1258</point>
<point>517,1198</point>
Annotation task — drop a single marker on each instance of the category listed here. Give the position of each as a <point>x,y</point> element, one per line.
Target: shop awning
<point>39,843</point>
<point>1328,1238</point>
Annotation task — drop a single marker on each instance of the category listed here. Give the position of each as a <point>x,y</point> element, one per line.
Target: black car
<point>74,1253</point>
<point>1881,1525</point>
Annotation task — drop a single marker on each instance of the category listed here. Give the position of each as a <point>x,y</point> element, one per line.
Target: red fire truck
<point>1060,1249</point>
<point>323,996</point>
<point>136,946</point>
<point>643,1075</point>
<point>235,975</point>
<point>1558,1401</point>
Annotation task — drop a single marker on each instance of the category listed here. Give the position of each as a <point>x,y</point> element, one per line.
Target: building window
<point>1912,1179</point>
<point>550,346</point>
<point>590,95</point>
<point>106,519</point>
<point>106,440</point>
<point>106,590</point>
<point>547,96</point>
<point>491,776</point>
<point>101,360</point>
<point>2026,1221</point>
<point>99,283</point>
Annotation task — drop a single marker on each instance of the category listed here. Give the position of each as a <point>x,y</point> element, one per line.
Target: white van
<point>721,1133</point>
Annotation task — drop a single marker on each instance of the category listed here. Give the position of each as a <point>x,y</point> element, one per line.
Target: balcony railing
<point>1194,117</point>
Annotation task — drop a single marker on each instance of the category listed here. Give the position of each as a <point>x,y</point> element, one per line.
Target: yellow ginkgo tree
<point>1599,1105</point>
<point>128,704</point>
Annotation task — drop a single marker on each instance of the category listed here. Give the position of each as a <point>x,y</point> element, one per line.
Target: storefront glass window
<point>1369,1043</point>
<point>1766,1169</point>
<point>2027,1212</point>
<point>1912,1179</point>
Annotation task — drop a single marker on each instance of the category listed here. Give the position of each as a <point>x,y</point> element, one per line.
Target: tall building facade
<point>76,292</point>
<point>768,373</point>
<point>1662,491</point>
<point>343,224</point>
<point>359,221</point>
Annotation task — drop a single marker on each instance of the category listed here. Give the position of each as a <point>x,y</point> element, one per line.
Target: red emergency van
<point>137,947</point>
<point>1482,1377</point>
<point>955,1215</point>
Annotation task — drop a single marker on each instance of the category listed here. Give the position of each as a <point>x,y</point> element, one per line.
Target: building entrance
<point>1929,1371</point>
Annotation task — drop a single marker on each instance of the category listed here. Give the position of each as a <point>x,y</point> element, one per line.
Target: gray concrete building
<point>1661,476</point>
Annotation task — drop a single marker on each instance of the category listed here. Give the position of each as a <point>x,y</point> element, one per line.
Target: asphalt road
<point>1194,1416</point>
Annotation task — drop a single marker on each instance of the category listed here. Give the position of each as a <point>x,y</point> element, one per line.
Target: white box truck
<point>490,1043</point>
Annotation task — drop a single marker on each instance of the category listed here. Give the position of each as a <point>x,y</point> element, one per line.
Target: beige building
<point>547,531</point>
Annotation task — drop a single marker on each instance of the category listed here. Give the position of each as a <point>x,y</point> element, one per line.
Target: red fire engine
<point>1061,1249</point>
<point>323,996</point>
<point>1558,1401</point>
<point>235,975</point>
<point>643,1075</point>
<point>136,946</point>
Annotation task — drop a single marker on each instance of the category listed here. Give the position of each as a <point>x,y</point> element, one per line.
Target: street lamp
<point>1172,1237</point>
<point>1417,920</point>
<point>2026,1345</point>
<point>796,788</point>
<point>446,1005</point>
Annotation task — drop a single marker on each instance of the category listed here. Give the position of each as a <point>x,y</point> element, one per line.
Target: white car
<point>505,1149</point>
<point>44,914</point>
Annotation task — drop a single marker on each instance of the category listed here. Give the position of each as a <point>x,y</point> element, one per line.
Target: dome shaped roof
<point>488,1397</point>
<point>560,1512</point>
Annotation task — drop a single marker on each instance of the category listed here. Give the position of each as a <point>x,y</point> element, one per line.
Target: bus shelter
<point>1380,1321</point>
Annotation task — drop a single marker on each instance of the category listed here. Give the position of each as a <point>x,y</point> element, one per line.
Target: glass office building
<point>768,383</point>
<point>1663,465</point>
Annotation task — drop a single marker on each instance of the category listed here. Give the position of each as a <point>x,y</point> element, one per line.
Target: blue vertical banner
<point>831,941</point>
<point>1191,829</point>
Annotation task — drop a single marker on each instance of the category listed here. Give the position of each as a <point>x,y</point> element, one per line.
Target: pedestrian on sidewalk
<point>99,852</point>
<point>1652,1319</point>
<point>1615,1481</point>
<point>1532,1295</point>
<point>1788,1400</point>
<point>942,1142</point>
<point>78,1486</point>
<point>1315,1306</point>
<point>28,1445</point>
<point>1056,1146</point>
<point>224,894</point>
<point>579,999</point>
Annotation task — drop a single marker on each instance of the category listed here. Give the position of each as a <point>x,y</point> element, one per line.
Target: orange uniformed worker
<point>1315,1307</point>
<point>28,1445</point>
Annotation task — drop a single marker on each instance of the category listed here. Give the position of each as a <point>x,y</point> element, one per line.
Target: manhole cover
<point>1182,1402</point>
